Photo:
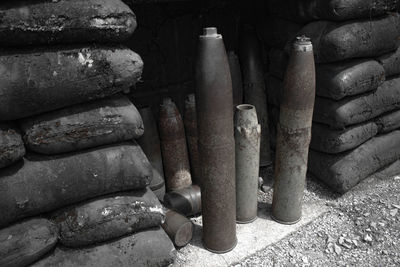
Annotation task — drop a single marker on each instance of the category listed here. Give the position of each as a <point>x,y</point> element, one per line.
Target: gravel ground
<point>362,227</point>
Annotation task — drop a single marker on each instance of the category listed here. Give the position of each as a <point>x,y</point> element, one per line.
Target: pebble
<point>368,238</point>
<point>393,212</point>
<point>337,249</point>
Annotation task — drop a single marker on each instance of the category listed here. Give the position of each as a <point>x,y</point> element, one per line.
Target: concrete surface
<point>252,237</point>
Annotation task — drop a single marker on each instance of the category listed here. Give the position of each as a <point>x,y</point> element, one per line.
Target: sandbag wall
<point>356,118</point>
<point>73,182</point>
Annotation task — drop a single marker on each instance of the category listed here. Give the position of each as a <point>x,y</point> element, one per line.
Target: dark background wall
<point>166,39</point>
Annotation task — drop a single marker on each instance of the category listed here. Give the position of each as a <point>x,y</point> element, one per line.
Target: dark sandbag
<point>343,171</point>
<point>108,218</point>
<point>83,126</point>
<point>11,146</point>
<point>147,248</point>
<point>276,32</point>
<point>44,183</point>
<point>356,109</point>
<point>349,110</point>
<point>36,81</point>
<point>65,21</point>
<point>325,139</point>
<point>339,10</point>
<point>391,62</point>
<point>25,242</point>
<point>337,80</point>
<point>388,122</point>
<point>334,41</point>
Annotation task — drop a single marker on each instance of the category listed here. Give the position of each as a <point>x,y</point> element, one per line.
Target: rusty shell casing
<point>247,157</point>
<point>254,86</point>
<point>178,228</point>
<point>186,201</point>
<point>173,147</point>
<point>236,75</point>
<point>190,122</point>
<point>150,143</point>
<point>294,133</point>
<point>216,143</point>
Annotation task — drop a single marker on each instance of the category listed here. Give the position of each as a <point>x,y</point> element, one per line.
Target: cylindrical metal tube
<point>173,147</point>
<point>178,228</point>
<point>254,85</point>
<point>216,143</point>
<point>236,75</point>
<point>190,121</point>
<point>186,201</point>
<point>294,133</point>
<point>247,157</point>
<point>150,144</point>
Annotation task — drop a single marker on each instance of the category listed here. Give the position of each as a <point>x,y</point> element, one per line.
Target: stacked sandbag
<point>83,184</point>
<point>357,100</point>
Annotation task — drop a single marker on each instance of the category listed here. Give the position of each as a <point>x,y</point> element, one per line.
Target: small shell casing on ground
<point>186,201</point>
<point>178,227</point>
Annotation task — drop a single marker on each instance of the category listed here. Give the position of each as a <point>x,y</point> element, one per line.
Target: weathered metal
<point>150,143</point>
<point>178,228</point>
<point>254,85</point>
<point>216,143</point>
<point>173,147</point>
<point>190,121</point>
<point>26,242</point>
<point>247,157</point>
<point>186,201</point>
<point>236,75</point>
<point>294,133</point>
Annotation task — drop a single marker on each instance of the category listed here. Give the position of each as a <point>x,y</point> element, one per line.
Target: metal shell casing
<point>247,157</point>
<point>190,122</point>
<point>173,147</point>
<point>178,228</point>
<point>236,75</point>
<point>186,201</point>
<point>216,143</point>
<point>254,89</point>
<point>294,133</point>
<point>150,143</point>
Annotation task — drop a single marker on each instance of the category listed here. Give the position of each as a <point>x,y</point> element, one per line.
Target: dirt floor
<point>361,227</point>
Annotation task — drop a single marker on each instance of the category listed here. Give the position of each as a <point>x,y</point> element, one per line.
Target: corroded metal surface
<point>254,86</point>
<point>186,201</point>
<point>294,133</point>
<point>173,147</point>
<point>216,143</point>
<point>247,157</point>
<point>190,121</point>
<point>178,227</point>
